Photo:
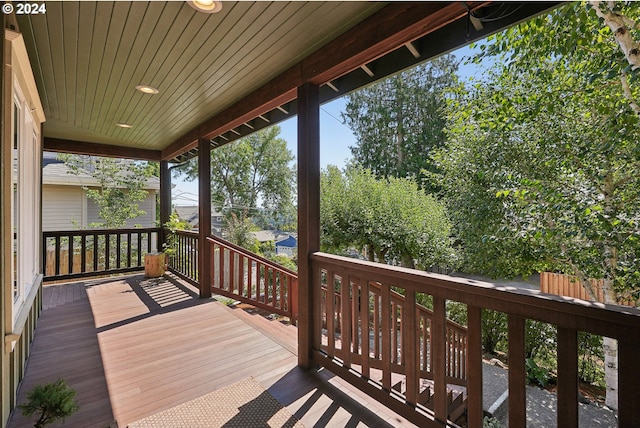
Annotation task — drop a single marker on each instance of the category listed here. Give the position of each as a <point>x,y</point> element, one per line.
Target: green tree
<point>249,171</point>
<point>392,218</point>
<point>399,121</point>
<point>546,153</point>
<point>239,228</point>
<point>121,185</point>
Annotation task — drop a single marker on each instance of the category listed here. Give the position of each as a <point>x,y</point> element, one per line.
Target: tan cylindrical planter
<point>153,265</point>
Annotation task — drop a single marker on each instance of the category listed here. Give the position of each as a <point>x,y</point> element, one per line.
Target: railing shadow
<point>313,386</point>
<point>160,295</point>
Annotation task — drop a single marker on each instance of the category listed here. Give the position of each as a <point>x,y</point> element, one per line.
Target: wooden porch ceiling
<point>223,76</point>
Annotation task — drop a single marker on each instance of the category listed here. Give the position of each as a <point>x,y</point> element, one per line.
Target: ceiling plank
<point>97,149</point>
<point>393,26</point>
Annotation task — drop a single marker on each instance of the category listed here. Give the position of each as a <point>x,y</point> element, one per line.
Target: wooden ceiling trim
<point>98,149</point>
<point>392,26</point>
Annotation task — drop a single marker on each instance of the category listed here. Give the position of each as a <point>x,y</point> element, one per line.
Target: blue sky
<point>335,137</point>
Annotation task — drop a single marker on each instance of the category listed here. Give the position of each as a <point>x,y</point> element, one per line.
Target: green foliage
<point>590,359</point>
<point>535,373</point>
<point>393,218</point>
<point>120,186</point>
<point>52,401</point>
<point>239,228</point>
<point>174,224</point>
<point>494,330</point>
<point>541,169</point>
<point>398,121</point>
<point>284,261</point>
<point>491,422</point>
<point>254,168</point>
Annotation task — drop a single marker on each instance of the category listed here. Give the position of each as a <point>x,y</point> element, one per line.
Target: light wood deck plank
<point>133,347</point>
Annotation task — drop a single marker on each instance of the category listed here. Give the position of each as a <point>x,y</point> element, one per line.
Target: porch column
<point>165,200</point>
<point>204,218</point>
<point>308,213</point>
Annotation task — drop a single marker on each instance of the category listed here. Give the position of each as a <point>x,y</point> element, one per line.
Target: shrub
<point>52,401</point>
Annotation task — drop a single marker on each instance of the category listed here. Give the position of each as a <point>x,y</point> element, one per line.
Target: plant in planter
<point>169,247</point>
<point>52,401</point>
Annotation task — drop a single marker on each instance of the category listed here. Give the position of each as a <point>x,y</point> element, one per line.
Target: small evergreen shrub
<point>51,401</point>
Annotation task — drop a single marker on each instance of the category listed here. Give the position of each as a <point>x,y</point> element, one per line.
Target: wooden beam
<point>98,149</point>
<point>204,218</point>
<point>308,213</point>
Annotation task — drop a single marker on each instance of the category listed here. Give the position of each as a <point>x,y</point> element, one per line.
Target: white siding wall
<point>61,207</point>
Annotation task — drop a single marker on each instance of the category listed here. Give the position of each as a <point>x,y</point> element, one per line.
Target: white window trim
<point>22,83</point>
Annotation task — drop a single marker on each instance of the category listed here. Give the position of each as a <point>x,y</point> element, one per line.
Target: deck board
<point>132,347</point>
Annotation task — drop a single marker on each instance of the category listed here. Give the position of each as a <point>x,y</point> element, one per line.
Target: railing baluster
<point>387,325</point>
<point>364,327</point>
<point>83,254</point>
<point>139,248</point>
<point>107,248</point>
<point>95,252</point>
<point>118,250</point>
<point>57,252</point>
<point>475,412</point>
<point>517,391</point>
<point>567,378</point>
<point>438,349</point>
<point>409,349</point>
<point>70,254</point>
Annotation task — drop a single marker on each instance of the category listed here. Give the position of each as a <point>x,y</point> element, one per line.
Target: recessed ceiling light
<point>206,6</point>
<point>124,125</point>
<point>147,89</point>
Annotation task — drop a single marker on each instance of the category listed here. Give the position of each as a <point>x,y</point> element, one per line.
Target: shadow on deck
<point>132,347</point>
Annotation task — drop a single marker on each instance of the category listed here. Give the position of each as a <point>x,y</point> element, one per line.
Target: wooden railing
<point>81,253</point>
<point>247,277</point>
<point>456,333</point>
<point>184,263</point>
<point>378,331</point>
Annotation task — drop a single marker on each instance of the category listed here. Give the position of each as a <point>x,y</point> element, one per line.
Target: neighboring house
<point>65,205</point>
<point>190,215</point>
<point>285,243</point>
<point>287,247</point>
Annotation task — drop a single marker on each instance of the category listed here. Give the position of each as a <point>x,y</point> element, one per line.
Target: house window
<point>15,197</point>
<point>25,201</point>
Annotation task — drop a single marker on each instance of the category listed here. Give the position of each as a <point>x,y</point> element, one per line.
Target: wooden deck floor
<point>132,347</point>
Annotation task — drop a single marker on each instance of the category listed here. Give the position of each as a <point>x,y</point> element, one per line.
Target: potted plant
<point>52,401</point>
<point>169,247</point>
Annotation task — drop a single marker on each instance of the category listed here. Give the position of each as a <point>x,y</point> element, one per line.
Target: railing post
<point>204,217</point>
<point>165,201</point>
<point>308,212</point>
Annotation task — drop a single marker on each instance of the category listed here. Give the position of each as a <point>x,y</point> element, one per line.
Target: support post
<point>308,213</point>
<point>204,218</point>
<point>165,201</point>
